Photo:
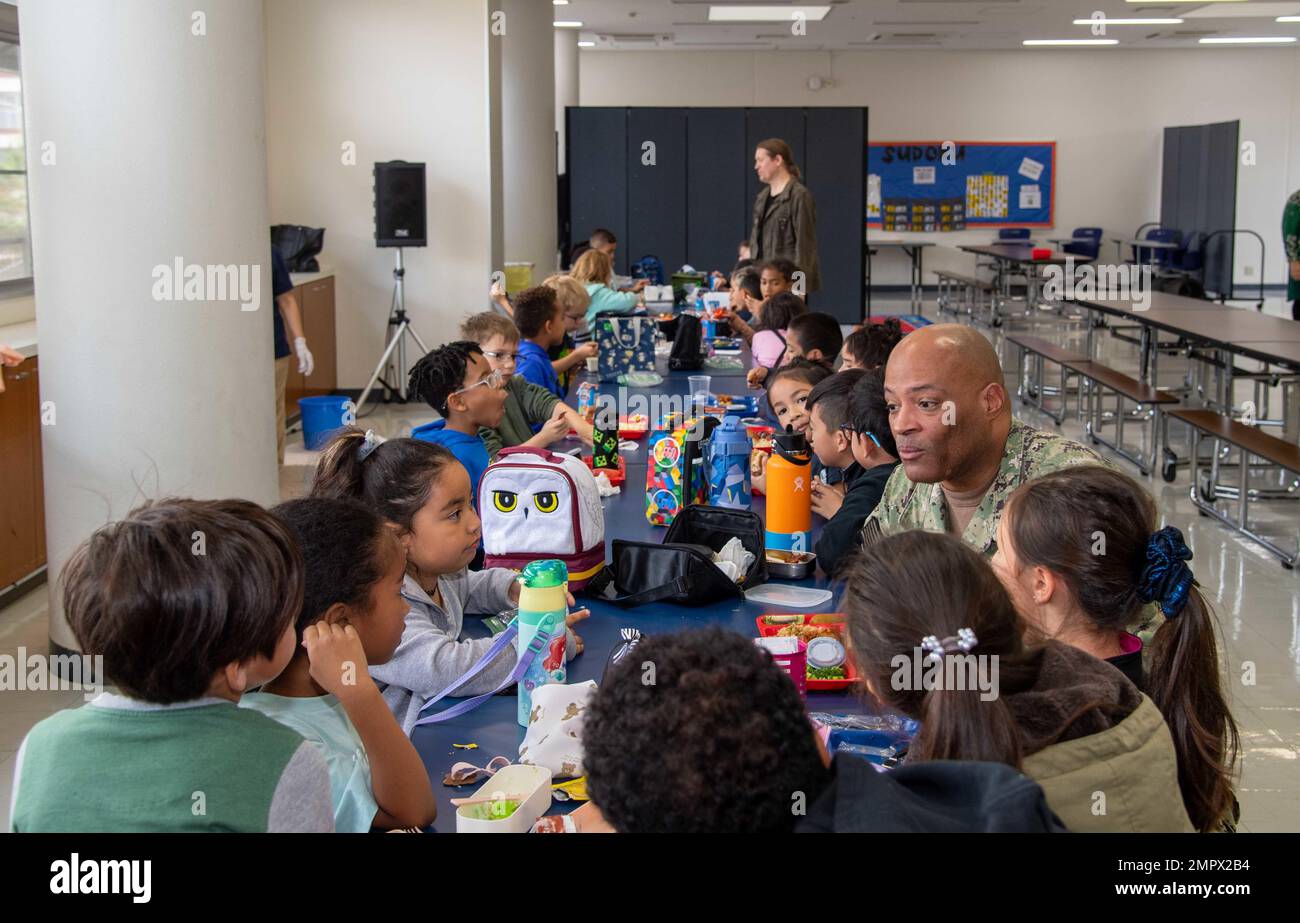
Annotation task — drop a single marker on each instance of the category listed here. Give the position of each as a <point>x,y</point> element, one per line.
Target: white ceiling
<point>856,25</point>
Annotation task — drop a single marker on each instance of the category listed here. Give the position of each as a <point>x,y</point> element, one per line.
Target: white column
<point>152,112</point>
<point>528,135</point>
<point>566,81</point>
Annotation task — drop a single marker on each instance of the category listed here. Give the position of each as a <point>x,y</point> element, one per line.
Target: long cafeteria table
<point>492,726</point>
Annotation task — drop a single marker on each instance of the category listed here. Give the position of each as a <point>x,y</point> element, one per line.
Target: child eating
<point>457,381</point>
<point>848,428</point>
<point>424,496</point>
<point>352,615</point>
<point>541,327</point>
<point>787,396</point>
<point>532,415</point>
<point>184,635</point>
<point>770,345</point>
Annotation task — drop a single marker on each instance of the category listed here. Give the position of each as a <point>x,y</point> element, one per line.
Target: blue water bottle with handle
<point>729,450</point>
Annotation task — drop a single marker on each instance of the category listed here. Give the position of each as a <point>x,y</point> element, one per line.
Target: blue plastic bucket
<point>322,417</point>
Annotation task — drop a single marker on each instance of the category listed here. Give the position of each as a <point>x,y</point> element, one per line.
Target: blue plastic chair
<point>1089,248</point>
<point>1158,257</point>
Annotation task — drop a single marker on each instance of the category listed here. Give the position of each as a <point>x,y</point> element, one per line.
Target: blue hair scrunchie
<point>1166,579</point>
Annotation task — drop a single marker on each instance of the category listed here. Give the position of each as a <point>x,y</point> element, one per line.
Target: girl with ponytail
<point>424,495</point>
<point>1080,553</point>
<point>935,636</point>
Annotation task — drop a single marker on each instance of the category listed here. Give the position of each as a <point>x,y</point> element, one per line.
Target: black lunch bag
<point>681,569</point>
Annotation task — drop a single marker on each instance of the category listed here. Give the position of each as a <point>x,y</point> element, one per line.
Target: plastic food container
<point>616,475</point>
<point>790,657</point>
<point>633,427</point>
<point>790,565</point>
<point>773,622</point>
<point>532,782</point>
<point>1041,253</point>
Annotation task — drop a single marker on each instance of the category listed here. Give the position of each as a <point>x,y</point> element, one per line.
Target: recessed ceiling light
<point>1128,22</point>
<point>1070,41</point>
<point>586,44</point>
<point>782,13</point>
<point>560,2</point>
<point>1144,2</point>
<point>1287,19</point>
<point>567,24</point>
<point>1258,40</point>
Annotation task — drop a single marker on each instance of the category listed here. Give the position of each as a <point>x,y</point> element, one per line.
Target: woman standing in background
<point>785,216</point>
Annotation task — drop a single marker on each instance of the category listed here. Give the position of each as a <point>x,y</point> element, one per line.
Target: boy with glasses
<point>457,381</point>
<point>533,416</point>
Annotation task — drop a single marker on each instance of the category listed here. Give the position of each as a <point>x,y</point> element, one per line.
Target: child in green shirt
<point>190,603</point>
<point>527,405</point>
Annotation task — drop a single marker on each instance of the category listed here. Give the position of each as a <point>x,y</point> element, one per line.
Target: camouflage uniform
<point>1029,454</point>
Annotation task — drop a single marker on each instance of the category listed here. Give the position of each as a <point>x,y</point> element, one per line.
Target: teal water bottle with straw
<point>543,606</point>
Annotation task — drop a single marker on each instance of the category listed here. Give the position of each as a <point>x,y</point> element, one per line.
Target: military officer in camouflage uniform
<point>962,453</point>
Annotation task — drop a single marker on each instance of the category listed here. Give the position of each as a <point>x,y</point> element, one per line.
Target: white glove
<point>305,361</point>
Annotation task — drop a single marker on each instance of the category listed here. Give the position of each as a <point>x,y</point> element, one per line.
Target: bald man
<point>962,453</point>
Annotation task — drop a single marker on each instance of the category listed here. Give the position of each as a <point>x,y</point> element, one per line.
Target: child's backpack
<point>650,268</point>
<point>536,504</point>
<point>688,344</point>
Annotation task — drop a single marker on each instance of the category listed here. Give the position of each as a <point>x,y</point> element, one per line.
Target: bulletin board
<point>954,185</point>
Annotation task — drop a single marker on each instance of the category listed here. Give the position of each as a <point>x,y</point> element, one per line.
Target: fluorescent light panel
<point>1258,40</point>
<point>1070,41</point>
<point>1128,22</point>
<point>567,24</point>
<point>780,13</point>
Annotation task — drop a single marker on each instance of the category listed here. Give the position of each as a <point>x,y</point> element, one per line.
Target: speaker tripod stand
<point>401,328</point>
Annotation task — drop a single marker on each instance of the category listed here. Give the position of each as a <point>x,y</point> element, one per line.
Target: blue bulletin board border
<point>875,151</point>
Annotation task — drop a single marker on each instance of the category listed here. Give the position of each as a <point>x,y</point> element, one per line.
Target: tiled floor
<point>1258,604</point>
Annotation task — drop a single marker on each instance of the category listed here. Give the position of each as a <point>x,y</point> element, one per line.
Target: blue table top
<point>492,726</point>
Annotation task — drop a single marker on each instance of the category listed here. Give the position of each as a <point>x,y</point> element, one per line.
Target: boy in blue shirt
<point>457,381</point>
<point>541,325</point>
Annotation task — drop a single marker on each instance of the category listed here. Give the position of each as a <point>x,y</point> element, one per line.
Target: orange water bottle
<point>789,493</point>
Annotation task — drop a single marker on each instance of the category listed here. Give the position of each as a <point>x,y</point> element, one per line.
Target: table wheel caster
<point>1169,467</point>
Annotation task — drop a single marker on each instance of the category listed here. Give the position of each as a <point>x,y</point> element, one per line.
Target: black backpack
<point>688,345</point>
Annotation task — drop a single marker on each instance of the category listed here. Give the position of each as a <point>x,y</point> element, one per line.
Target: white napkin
<point>733,560</point>
<point>605,488</point>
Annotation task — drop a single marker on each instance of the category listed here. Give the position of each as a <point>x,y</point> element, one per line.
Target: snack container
<point>772,622</point>
<point>616,475</point>
<point>533,782</point>
<point>792,658</point>
<point>791,565</point>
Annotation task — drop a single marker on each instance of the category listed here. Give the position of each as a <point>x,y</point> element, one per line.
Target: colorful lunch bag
<point>537,504</point>
<point>627,344</point>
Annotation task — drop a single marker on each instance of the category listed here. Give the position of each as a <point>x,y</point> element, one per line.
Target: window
<point>15,241</point>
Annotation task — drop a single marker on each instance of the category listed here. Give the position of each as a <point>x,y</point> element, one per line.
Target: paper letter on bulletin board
<point>948,186</point>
